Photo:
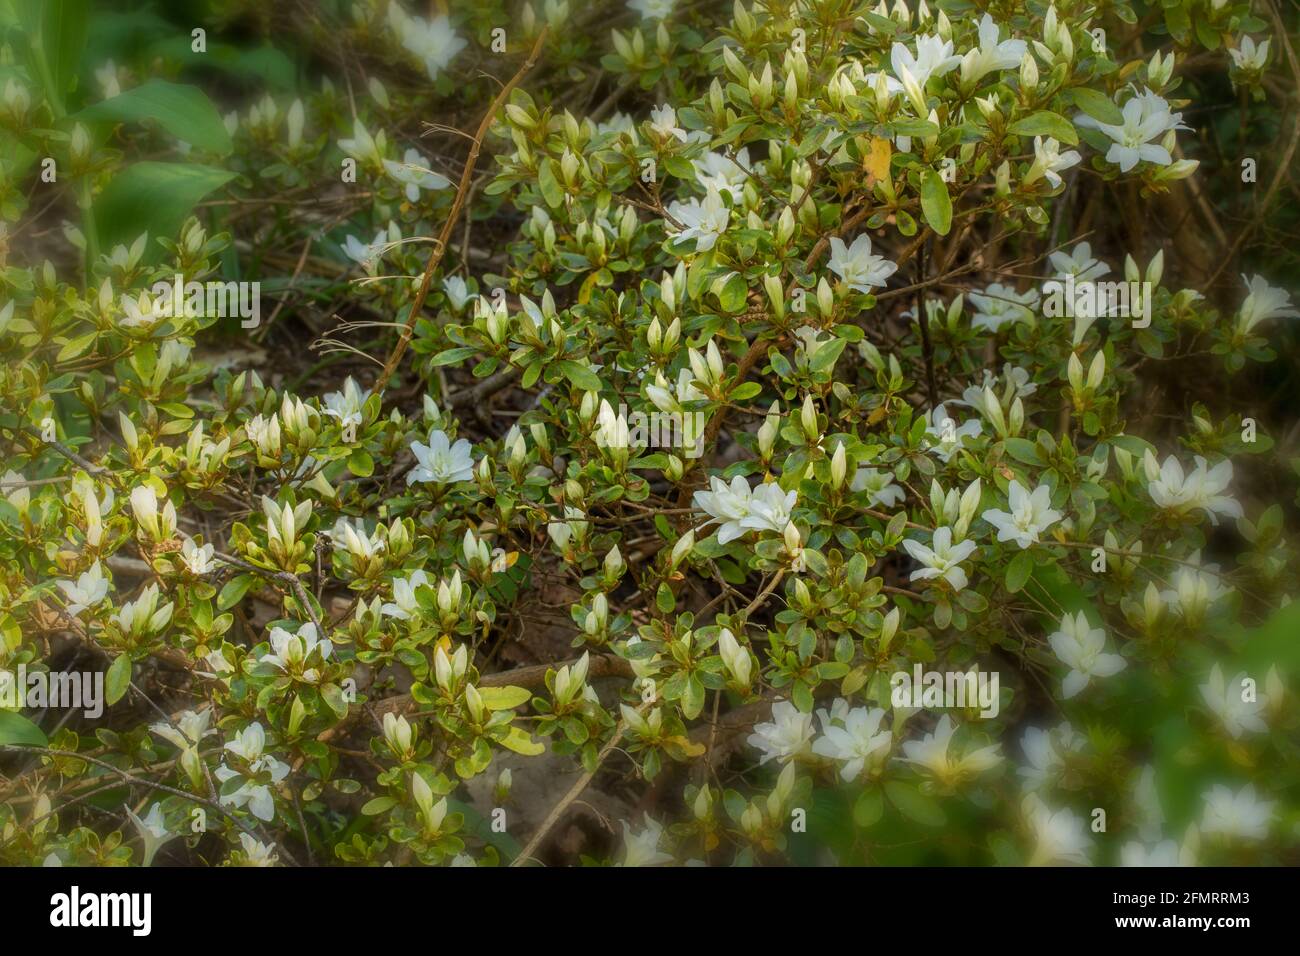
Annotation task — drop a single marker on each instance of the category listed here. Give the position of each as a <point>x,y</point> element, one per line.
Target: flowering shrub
<point>798,430</point>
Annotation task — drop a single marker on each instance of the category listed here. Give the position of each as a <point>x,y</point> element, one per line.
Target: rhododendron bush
<point>648,432</point>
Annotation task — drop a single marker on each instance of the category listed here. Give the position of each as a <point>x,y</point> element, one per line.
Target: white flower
<point>404,606</point>
<point>1146,117</point>
<point>1079,263</point>
<point>1180,493</point>
<point>933,57</point>
<point>186,731</point>
<point>723,173</point>
<point>144,311</point>
<point>1227,702</point>
<point>457,291</point>
<point>1194,590</point>
<point>1046,751</point>
<point>1059,835</point>
<point>735,657</point>
<point>1081,647</point>
<point>990,55</point>
<point>413,172</point>
<point>860,740</point>
<point>860,270</point>
<point>257,853</point>
<point>346,407</point>
<point>87,591</point>
<point>433,41</point>
<point>789,735</point>
<point>159,524</point>
<point>290,651</point>
<point>1263,302</point>
<point>362,147</point>
<point>702,221</point>
<point>642,849</point>
<point>1248,56</point>
<point>364,254</point>
<point>153,831</point>
<point>942,560</point>
<point>727,505</point>
<point>879,486</point>
<point>1000,305</point>
<point>653,9</point>
<point>356,540</point>
<point>248,745</point>
<point>1239,814</point>
<point>1165,853</point>
<point>1049,161</point>
<point>664,122</point>
<point>197,557</point>
<point>930,754</point>
<point>1030,515</point>
<point>440,461</point>
<point>769,508</point>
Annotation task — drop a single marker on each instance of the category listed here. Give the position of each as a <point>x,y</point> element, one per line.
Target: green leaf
<point>377,806</point>
<point>936,204</point>
<point>503,698</point>
<point>361,464</point>
<point>869,808</point>
<point>17,729</point>
<point>1019,570</point>
<point>1046,123</point>
<point>580,375</point>
<point>551,189</point>
<point>520,742</point>
<point>56,36</point>
<point>1096,104</point>
<point>453,356</point>
<point>154,198</point>
<point>332,694</point>
<point>184,111</point>
<point>117,679</point>
<point>915,805</point>
<point>234,591</point>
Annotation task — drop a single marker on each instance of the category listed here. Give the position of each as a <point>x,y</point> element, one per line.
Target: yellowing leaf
<point>503,698</point>
<point>876,162</point>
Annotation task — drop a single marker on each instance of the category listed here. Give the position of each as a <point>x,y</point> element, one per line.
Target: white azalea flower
<point>404,605</point>
<point>942,559</point>
<point>653,9</point>
<point>1248,55</point>
<point>642,849</point>
<point>945,436</point>
<point>289,651</point>
<point>414,173</point>
<point>787,736</point>
<point>723,173</point>
<point>727,505</point>
<point>991,55</point>
<point>1049,161</point>
<point>1242,814</point>
<point>346,406</point>
<point>934,57</point>
<point>1030,515</point>
<point>1263,302</point>
<point>1146,117</point>
<point>1081,647</point>
<point>1173,490</point>
<point>769,508</point>
<point>440,461</point>
<point>90,588</point>
<point>859,741</point>
<point>1079,263</point>
<point>197,557</point>
<point>257,853</point>
<point>153,832</point>
<point>879,486</point>
<point>703,222</point>
<point>1166,853</point>
<point>1059,835</point>
<point>1045,751</point>
<point>1000,305</point>
<point>366,254</point>
<point>663,121</point>
<point>1226,701</point>
<point>931,754</point>
<point>855,264</point>
<point>433,41</point>
<point>248,745</point>
<point>457,291</point>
